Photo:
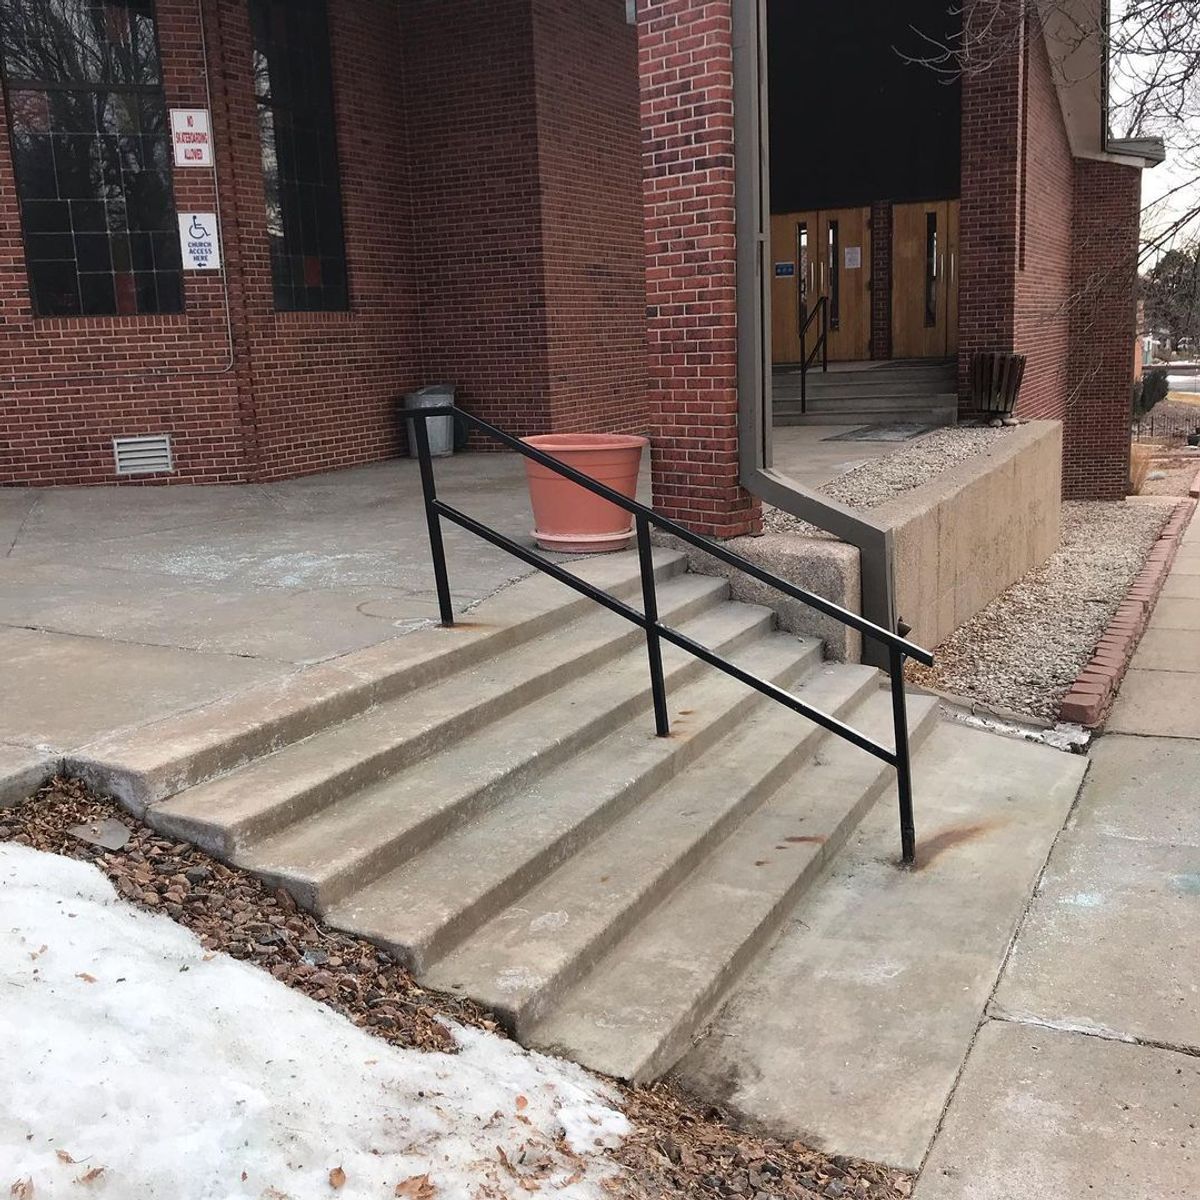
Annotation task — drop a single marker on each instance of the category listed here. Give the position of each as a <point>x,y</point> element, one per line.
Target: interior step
<point>274,791</point>
<point>855,414</point>
<point>522,962</point>
<point>837,388</point>
<point>424,907</point>
<point>639,1007</point>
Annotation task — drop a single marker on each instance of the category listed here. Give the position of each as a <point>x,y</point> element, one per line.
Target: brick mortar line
<point>1091,696</point>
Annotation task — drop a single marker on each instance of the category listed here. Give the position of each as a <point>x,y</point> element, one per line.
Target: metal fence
<point>1169,426</point>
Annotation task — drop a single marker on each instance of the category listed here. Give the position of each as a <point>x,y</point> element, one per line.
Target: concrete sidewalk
<point>1084,1080</point>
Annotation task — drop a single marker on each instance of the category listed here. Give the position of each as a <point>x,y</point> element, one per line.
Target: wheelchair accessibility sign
<point>199,242</point>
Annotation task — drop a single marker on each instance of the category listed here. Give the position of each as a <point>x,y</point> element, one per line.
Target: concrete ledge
<point>827,567</point>
<point>22,772</point>
<point>1194,490</point>
<point>964,537</point>
<point>152,762</point>
<point>1093,692</point>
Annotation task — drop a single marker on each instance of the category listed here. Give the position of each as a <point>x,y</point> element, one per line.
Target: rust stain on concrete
<point>932,848</point>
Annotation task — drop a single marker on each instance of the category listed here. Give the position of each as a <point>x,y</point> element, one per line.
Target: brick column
<point>685,50</point>
<point>989,215</point>
<point>881,279</point>
<point>1103,328</point>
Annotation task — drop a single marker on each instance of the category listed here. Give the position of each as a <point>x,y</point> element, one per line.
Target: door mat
<point>881,433</point>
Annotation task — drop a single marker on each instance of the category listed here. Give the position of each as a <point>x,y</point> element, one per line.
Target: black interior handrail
<point>899,648</point>
<point>821,346</point>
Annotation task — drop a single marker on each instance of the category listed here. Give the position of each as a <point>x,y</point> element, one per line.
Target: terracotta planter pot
<point>570,519</point>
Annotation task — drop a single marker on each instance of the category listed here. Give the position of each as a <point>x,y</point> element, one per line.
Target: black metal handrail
<point>656,632</point>
<point>822,346</point>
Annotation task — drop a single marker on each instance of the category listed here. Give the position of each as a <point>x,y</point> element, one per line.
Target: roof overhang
<point>1076,34</point>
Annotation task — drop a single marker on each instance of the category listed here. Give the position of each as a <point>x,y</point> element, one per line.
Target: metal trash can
<point>441,429</point>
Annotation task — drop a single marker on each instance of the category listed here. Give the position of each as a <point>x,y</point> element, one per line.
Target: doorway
<point>819,255</point>
<point>925,279</point>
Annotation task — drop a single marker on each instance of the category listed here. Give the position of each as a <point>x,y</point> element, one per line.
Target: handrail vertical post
<point>908,833</point>
<point>804,322</point>
<point>658,687</point>
<point>824,334</point>
<point>436,549</point>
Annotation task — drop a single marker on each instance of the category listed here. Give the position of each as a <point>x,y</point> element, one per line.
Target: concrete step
<point>424,908</point>
<point>521,962</point>
<point>144,766</point>
<point>639,1007</point>
<point>227,813</point>
<point>854,414</point>
<point>837,388</point>
<point>349,844</point>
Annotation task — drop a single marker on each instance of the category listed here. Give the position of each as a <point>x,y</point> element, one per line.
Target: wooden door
<point>844,279</point>
<point>793,273</point>
<point>951,278</point>
<point>925,279</point>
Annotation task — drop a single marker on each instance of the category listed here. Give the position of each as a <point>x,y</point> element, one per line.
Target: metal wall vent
<point>143,455</point>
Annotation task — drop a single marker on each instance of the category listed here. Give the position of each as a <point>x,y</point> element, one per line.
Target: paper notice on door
<point>853,258</point>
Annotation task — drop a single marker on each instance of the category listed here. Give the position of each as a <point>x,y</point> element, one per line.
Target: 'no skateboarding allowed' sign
<point>199,242</point>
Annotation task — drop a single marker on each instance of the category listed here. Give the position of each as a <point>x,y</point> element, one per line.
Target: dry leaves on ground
<point>680,1148</point>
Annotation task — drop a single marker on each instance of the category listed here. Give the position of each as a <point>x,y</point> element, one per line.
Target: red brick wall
<point>988,218</point>
<point>462,233</point>
<point>471,112</point>
<point>1103,321</point>
<point>324,384</point>
<point>1045,212</point>
<point>586,64</point>
<point>686,66</point>
<point>70,385</point>
<point>881,279</point>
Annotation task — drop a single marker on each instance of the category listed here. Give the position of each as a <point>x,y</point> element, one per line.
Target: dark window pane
<point>97,295</point>
<point>55,287</point>
<point>92,252</point>
<point>92,155</point>
<point>33,157</point>
<point>141,246</point>
<point>46,216</point>
<point>294,85</point>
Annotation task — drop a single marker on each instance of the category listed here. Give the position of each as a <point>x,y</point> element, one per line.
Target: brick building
<point>538,200</point>
<point>406,193</point>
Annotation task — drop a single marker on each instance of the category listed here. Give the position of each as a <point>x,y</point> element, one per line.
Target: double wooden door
<point>925,280</point>
<point>821,254</point>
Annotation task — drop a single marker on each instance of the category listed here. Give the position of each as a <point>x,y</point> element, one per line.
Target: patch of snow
<point>187,1075</point>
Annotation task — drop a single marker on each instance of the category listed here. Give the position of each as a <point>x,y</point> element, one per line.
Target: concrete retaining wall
<point>958,542</point>
<point>962,538</point>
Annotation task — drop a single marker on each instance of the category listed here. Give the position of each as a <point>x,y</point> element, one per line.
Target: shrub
<point>1149,390</point>
<point>1139,467</point>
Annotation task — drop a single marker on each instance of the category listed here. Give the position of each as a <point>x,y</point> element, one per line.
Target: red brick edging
<point>1092,694</point>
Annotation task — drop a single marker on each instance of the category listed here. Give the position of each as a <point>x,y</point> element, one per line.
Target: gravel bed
<point>680,1147</point>
<point>882,479</point>
<point>1025,649</point>
<point>1176,481</point>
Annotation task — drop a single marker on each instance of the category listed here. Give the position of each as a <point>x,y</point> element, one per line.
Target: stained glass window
<point>92,152</point>
<point>293,81</point>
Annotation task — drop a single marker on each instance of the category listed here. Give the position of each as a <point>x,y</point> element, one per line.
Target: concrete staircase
<point>916,391</point>
<point>491,804</point>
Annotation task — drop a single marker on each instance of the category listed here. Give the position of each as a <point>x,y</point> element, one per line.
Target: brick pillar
<point>991,173</point>
<point>686,70</point>
<point>1103,328</point>
<point>881,279</point>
